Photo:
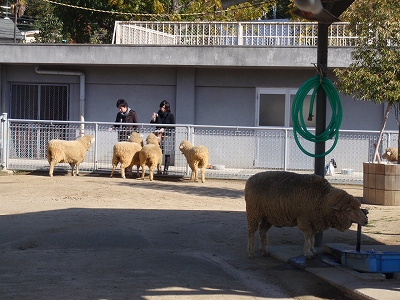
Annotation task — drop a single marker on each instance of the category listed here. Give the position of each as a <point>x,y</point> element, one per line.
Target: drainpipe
<point>81,90</point>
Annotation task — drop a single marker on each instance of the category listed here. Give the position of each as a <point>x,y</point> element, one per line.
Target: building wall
<point>198,95</point>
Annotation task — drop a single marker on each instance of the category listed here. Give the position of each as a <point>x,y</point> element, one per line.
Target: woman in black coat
<point>167,140</point>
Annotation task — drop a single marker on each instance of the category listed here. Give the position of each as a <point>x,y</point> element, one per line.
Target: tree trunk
<point>376,155</point>
<point>398,145</point>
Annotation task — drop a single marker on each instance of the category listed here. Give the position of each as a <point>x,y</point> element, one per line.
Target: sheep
<point>71,152</point>
<point>308,201</point>
<point>196,157</point>
<point>151,156</point>
<point>391,154</point>
<point>127,153</point>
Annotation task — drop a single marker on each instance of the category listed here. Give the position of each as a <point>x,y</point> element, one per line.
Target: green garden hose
<point>299,126</point>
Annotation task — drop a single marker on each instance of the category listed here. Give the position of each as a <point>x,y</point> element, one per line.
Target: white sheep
<point>127,153</point>
<point>391,154</point>
<point>308,201</point>
<point>151,156</point>
<point>71,152</point>
<point>196,157</point>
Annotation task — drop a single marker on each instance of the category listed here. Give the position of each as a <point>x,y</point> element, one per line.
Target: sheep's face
<point>185,145</point>
<point>136,137</point>
<point>390,154</point>
<point>350,208</point>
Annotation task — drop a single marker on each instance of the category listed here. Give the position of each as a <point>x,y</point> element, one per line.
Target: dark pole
<point>320,126</point>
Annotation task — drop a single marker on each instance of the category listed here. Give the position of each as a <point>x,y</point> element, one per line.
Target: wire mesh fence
<point>235,152</point>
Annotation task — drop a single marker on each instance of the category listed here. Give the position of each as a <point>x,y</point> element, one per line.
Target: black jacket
<point>126,130</point>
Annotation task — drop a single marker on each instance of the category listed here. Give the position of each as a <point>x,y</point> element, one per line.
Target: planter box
<point>381,183</point>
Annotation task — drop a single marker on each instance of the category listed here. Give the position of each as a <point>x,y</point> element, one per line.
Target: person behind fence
<point>165,134</point>
<point>125,115</point>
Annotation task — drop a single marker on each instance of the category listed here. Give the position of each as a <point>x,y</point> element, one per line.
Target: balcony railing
<point>229,33</point>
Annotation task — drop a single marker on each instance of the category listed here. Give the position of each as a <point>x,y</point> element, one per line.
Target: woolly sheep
<point>71,152</point>
<point>150,155</point>
<point>127,153</point>
<point>391,154</point>
<point>196,157</point>
<point>308,201</point>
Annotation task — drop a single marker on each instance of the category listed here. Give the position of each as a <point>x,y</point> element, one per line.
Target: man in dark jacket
<point>125,115</point>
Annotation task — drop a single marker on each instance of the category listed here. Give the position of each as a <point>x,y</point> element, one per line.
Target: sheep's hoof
<point>308,254</point>
<point>265,254</point>
<point>251,256</point>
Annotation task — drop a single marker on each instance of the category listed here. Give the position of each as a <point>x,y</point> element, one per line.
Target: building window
<point>273,107</point>
<point>39,102</point>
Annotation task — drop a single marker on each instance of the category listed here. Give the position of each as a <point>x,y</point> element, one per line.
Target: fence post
<point>3,142</point>
<point>96,137</point>
<point>240,34</point>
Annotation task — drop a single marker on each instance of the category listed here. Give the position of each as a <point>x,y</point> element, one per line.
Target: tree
<point>17,9</point>
<point>374,74</point>
<point>92,21</point>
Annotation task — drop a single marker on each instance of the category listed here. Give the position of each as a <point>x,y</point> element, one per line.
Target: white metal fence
<point>229,33</point>
<point>235,152</point>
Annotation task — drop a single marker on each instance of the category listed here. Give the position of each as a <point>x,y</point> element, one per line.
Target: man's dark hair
<point>122,102</point>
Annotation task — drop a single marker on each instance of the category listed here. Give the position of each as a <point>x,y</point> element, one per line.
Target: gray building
<point>221,84</point>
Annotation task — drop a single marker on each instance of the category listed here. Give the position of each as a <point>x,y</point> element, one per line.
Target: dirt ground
<point>95,237</point>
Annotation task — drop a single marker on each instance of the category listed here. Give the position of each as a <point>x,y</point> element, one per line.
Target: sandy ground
<point>95,237</point>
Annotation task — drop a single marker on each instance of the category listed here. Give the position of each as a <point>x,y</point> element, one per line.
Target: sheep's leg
<point>77,168</point>
<point>113,170</point>
<point>263,230</point>
<point>192,175</point>
<point>203,174</point>
<point>130,171</point>
<point>152,167</point>
<point>143,170</point>
<point>252,226</point>
<point>72,168</point>
<point>51,170</point>
<point>308,243</point>
<point>312,245</point>
<point>123,167</point>
<point>196,171</point>
<point>137,171</point>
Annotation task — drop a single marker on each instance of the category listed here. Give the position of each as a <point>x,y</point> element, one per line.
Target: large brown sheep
<point>308,201</point>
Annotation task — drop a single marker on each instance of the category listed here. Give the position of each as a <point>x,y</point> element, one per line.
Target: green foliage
<point>374,74</point>
<point>92,21</point>
<point>50,28</point>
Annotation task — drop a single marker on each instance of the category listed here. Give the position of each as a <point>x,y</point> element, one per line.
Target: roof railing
<point>258,33</point>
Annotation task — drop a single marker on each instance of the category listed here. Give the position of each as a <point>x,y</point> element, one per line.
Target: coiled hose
<point>299,126</point>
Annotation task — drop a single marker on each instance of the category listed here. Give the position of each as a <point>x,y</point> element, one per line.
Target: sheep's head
<point>136,137</point>
<point>391,154</point>
<point>152,139</point>
<point>185,145</point>
<point>346,210</point>
<point>87,140</point>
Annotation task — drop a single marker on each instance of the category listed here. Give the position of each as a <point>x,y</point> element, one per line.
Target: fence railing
<point>235,152</point>
<point>229,33</point>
